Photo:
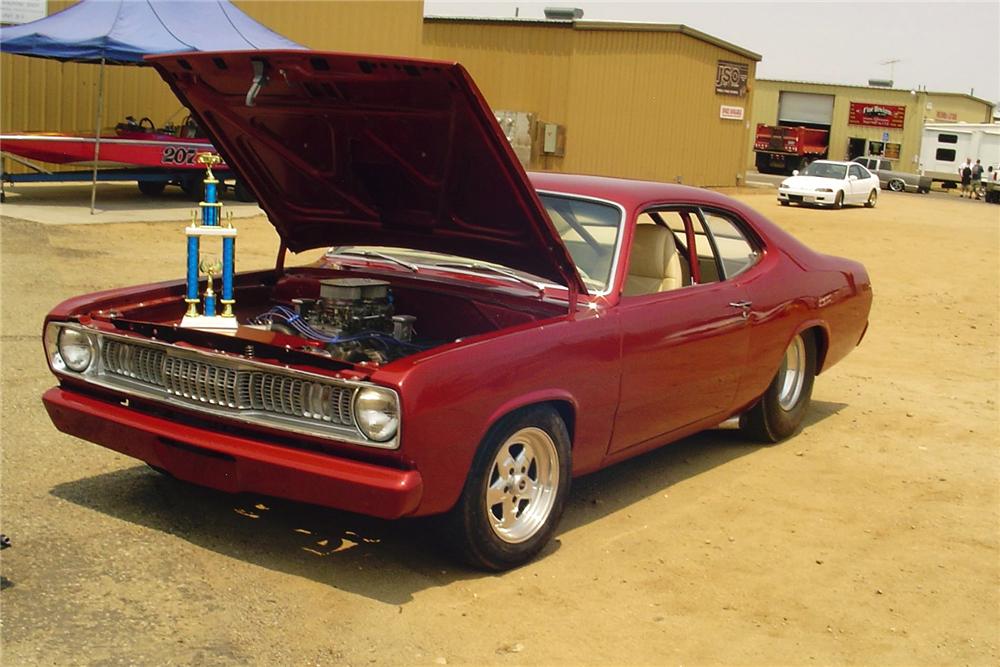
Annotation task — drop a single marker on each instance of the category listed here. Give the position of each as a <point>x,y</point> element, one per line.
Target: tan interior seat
<point>655,265</point>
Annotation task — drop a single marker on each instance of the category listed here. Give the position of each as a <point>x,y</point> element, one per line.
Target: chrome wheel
<point>896,185</point>
<point>522,484</point>
<point>792,375</point>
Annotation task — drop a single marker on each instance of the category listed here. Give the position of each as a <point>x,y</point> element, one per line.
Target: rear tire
<point>872,199</point>
<point>515,492</point>
<point>151,188</point>
<point>781,409</point>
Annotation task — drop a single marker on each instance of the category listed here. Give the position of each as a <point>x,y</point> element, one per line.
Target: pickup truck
<point>897,181</point>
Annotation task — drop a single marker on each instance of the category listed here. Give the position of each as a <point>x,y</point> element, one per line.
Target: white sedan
<point>829,183</point>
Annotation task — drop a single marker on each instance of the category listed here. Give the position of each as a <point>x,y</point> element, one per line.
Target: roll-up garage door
<point>805,108</point>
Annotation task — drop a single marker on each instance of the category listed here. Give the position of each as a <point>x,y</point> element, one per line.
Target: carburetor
<point>348,306</point>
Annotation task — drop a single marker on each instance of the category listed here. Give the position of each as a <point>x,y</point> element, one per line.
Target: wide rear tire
<point>781,409</point>
<point>515,493</point>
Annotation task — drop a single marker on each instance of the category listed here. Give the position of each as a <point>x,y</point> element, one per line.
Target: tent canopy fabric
<point>123,31</point>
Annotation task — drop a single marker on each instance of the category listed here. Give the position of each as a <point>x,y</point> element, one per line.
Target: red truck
<point>780,149</point>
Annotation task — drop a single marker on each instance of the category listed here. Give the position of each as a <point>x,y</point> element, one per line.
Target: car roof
<point>629,193</point>
<point>840,162</point>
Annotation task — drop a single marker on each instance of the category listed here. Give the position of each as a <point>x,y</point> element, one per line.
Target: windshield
<point>826,170</point>
<point>589,229</point>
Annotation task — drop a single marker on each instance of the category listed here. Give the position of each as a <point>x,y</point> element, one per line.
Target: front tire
<point>897,185</point>
<point>781,409</point>
<point>838,201</point>
<point>872,198</point>
<point>515,493</point>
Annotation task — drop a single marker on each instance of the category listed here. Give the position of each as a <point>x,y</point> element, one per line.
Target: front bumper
<point>236,464</point>
<point>806,197</point>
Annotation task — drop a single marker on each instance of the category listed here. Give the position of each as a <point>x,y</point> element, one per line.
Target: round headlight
<point>377,413</point>
<point>76,349</point>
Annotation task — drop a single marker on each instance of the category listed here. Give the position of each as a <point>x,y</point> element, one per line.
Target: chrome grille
<point>229,387</point>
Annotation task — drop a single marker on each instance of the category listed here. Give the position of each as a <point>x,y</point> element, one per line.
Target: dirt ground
<point>869,538</point>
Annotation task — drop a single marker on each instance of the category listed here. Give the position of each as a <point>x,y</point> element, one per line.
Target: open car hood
<point>368,150</point>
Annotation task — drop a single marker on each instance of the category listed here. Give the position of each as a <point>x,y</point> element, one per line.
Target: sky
<point>944,46</point>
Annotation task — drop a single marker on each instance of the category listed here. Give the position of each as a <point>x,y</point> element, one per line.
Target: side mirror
<point>852,177</point>
<point>795,172</point>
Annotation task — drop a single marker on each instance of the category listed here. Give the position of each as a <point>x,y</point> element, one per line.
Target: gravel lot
<point>869,538</point>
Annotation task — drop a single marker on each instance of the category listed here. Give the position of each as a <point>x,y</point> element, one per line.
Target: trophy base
<point>218,324</point>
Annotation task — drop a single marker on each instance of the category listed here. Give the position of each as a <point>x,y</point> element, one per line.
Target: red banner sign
<point>878,115</point>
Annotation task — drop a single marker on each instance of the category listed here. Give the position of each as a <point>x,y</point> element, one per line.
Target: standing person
<point>965,171</point>
<point>977,176</point>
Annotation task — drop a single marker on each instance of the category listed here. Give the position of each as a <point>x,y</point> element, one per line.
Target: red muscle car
<point>474,338</point>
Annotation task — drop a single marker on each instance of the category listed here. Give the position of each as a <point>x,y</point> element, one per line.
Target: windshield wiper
<point>476,266</point>
<point>371,254</point>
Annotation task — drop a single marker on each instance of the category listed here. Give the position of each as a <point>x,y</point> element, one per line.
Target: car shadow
<point>387,561</point>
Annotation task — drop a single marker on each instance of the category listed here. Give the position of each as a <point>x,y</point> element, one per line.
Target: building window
<point>945,155</point>
<point>947,138</point>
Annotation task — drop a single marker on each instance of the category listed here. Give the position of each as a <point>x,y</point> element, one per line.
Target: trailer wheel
<point>242,192</point>
<point>151,188</point>
<point>193,187</point>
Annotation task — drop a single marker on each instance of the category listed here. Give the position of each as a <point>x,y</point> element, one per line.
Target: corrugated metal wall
<point>37,94</point>
<point>765,110</point>
<point>635,103</point>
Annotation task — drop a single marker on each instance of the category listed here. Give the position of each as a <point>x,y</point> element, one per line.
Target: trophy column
<point>211,210</point>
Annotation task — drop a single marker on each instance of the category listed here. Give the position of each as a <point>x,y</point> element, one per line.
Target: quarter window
<point>733,249</point>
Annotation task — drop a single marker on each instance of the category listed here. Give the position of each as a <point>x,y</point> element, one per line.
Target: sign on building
<point>22,11</point>
<point>730,113</point>
<point>731,78</point>
<point>876,115</point>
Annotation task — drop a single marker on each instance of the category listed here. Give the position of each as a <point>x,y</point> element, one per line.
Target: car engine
<point>353,319</point>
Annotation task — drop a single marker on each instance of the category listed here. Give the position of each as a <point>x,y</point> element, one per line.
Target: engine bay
<point>309,315</point>
<point>352,319</point>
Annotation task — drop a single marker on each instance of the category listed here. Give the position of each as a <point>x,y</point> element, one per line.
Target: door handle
<point>744,307</point>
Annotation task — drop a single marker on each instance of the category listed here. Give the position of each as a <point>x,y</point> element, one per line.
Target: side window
<point>886,165</point>
<point>732,248</point>
<point>945,154</point>
<point>856,171</point>
<point>947,138</point>
<point>710,247</point>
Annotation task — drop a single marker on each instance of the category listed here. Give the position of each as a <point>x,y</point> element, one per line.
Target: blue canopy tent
<point>121,32</point>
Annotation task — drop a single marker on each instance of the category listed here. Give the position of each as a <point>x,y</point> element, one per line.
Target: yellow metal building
<point>626,99</point>
<point>635,100</point>
<point>791,102</point>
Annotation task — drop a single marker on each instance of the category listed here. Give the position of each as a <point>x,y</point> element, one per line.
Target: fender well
<point>822,339</point>
<point>564,405</point>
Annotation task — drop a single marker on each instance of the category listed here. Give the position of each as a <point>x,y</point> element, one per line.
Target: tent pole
<point>97,137</point>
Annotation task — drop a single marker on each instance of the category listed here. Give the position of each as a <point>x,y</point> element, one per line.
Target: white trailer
<point>945,146</point>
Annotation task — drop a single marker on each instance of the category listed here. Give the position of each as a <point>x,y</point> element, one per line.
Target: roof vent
<point>563,13</point>
<point>880,83</point>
